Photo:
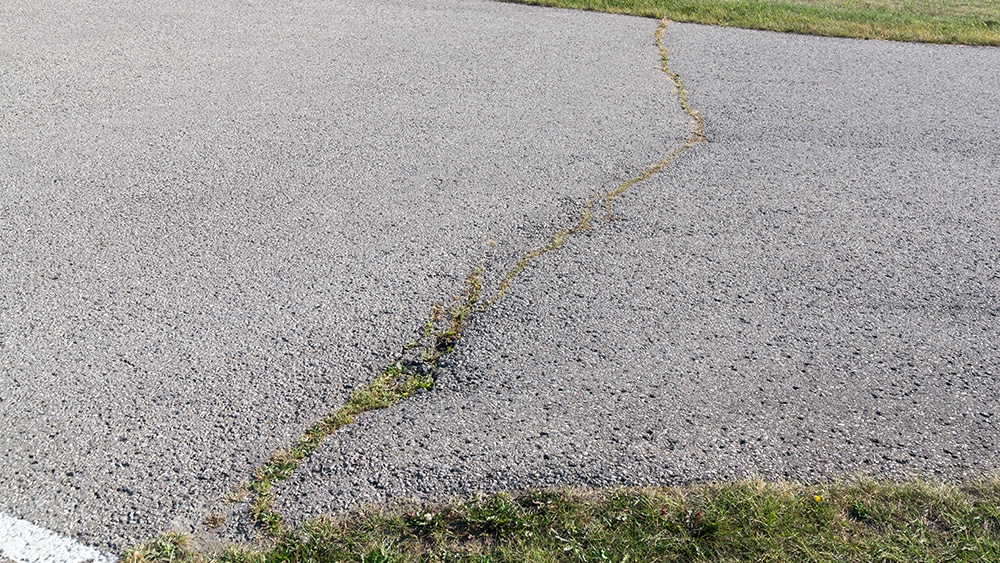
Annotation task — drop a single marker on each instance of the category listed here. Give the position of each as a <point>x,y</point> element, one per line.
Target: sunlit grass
<point>859,520</point>
<point>970,22</point>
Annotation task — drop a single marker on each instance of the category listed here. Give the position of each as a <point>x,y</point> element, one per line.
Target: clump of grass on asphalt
<point>167,548</point>
<point>969,22</point>
<point>860,520</point>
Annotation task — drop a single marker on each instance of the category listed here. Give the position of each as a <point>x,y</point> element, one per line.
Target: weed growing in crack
<point>556,242</point>
<point>697,131</point>
<point>396,382</point>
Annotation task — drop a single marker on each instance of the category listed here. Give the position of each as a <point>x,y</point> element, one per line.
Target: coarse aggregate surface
<point>216,219</point>
<point>813,293</point>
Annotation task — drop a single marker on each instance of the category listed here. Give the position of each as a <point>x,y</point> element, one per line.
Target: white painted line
<point>25,542</point>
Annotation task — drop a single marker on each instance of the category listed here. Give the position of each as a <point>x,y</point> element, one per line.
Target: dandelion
<point>818,498</point>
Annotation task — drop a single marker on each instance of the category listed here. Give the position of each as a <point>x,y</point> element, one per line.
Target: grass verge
<point>861,520</point>
<point>967,22</point>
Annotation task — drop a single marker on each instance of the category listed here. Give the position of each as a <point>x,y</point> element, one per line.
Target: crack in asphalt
<point>415,368</point>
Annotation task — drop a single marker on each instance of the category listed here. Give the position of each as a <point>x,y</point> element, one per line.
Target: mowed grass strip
<point>966,22</point>
<point>860,520</point>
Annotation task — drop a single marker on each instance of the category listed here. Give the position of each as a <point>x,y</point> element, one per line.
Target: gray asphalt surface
<point>218,218</point>
<point>216,221</point>
<point>814,293</point>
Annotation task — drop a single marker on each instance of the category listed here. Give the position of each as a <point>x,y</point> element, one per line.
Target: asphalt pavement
<point>814,293</point>
<point>216,221</point>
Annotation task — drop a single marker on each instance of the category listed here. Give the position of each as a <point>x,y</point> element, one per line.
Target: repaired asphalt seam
<point>415,368</point>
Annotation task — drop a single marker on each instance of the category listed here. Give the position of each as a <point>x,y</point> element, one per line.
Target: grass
<point>968,22</point>
<point>860,520</point>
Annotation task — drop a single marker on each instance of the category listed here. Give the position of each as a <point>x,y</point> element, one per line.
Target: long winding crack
<point>415,367</point>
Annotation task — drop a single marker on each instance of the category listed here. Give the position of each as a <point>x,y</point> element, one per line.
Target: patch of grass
<point>969,22</point>
<point>168,548</point>
<point>860,520</point>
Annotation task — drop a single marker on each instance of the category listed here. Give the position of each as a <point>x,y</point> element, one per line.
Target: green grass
<point>969,22</point>
<point>861,520</point>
